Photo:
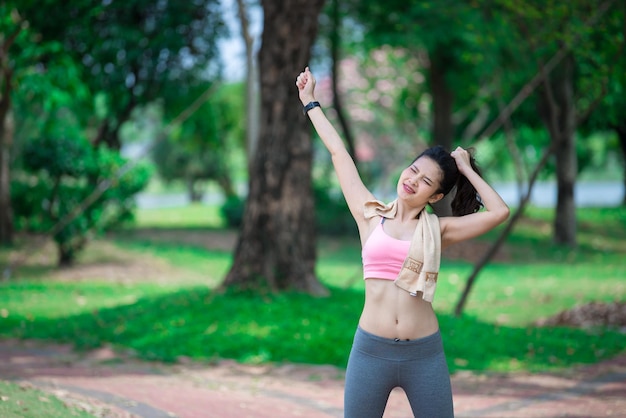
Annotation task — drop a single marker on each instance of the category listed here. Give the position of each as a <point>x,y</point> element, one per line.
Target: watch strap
<point>310,106</point>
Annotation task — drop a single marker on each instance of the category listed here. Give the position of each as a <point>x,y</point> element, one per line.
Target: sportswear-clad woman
<point>397,341</point>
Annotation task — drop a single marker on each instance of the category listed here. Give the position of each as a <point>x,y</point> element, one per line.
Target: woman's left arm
<point>460,228</point>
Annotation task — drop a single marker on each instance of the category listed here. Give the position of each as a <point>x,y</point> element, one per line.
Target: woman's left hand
<point>462,158</point>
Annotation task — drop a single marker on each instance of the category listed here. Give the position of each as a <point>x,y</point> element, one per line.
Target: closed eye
<point>426,180</point>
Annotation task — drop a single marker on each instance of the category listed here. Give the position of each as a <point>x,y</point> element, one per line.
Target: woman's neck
<point>406,213</point>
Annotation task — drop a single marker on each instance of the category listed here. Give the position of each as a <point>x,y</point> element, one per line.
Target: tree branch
<point>529,87</point>
<point>503,234</point>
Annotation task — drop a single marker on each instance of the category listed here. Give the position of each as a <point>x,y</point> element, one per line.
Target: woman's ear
<point>435,198</point>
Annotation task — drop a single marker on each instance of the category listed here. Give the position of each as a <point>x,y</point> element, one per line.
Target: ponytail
<point>466,200</point>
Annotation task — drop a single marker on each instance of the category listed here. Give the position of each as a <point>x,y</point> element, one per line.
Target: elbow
<point>502,214</point>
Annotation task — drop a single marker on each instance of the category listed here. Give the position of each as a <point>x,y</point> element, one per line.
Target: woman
<point>397,342</point>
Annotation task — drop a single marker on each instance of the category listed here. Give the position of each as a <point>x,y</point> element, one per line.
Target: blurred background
<point>153,151</point>
<point>173,90</point>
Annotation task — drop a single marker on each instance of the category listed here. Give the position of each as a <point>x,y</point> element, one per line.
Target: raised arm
<point>354,191</point>
<point>460,228</point>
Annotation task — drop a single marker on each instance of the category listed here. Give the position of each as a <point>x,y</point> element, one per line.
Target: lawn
<point>24,400</point>
<point>150,291</point>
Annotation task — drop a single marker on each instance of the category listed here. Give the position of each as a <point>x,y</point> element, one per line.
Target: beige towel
<point>421,267</point>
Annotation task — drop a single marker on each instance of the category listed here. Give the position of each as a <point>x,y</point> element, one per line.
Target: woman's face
<point>420,181</point>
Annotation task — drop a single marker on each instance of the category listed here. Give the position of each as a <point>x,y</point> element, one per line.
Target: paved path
<point>112,387</point>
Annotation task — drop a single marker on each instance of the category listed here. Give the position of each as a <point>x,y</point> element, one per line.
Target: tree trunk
<point>252,85</point>
<point>68,250</point>
<point>6,141</point>
<point>7,129</point>
<point>109,131</point>
<point>621,135</point>
<point>442,129</point>
<point>443,100</point>
<point>66,257</point>
<point>276,246</point>
<point>334,53</point>
<point>194,190</point>
<point>562,133</point>
<point>226,184</point>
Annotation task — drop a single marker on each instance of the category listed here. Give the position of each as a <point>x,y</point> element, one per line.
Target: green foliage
<point>487,51</point>
<point>603,59</point>
<point>233,210</point>
<point>207,325</point>
<point>198,149</point>
<point>332,215</point>
<point>178,317</point>
<point>456,38</point>
<point>71,157</point>
<point>176,160</point>
<point>60,176</point>
<point>130,53</point>
<point>135,47</point>
<point>24,401</point>
<point>593,34</point>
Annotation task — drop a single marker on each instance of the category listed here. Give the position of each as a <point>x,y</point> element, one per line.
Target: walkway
<point>112,387</point>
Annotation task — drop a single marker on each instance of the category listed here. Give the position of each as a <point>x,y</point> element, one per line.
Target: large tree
<point>575,65</point>
<point>11,26</point>
<point>276,246</point>
<point>132,52</point>
<point>21,55</point>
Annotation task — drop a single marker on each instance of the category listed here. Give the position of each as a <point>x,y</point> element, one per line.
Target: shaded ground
<point>108,385</point>
<point>590,315</point>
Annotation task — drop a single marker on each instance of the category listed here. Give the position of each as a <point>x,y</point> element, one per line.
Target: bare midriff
<point>391,312</point>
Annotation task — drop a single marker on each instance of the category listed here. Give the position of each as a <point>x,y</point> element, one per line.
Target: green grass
<point>19,400</point>
<point>191,216</point>
<point>180,314</point>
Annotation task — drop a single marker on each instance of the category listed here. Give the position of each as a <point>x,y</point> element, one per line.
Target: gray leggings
<point>377,365</point>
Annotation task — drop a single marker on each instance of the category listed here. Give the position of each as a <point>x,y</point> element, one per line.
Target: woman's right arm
<point>354,191</point>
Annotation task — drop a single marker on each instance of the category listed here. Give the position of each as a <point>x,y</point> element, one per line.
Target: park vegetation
<point>536,88</point>
<point>152,291</point>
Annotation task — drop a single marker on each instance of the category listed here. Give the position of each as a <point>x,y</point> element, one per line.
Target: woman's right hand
<point>306,86</point>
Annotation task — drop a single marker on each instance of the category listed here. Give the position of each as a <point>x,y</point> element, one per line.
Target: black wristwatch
<point>310,106</point>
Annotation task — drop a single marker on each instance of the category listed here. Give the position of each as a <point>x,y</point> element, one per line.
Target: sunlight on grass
<point>34,300</point>
<point>155,295</point>
<point>196,215</point>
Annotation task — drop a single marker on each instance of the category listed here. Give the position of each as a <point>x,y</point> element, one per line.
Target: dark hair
<point>466,200</point>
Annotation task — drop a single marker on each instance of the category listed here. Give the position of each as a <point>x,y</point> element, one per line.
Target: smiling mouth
<point>408,189</point>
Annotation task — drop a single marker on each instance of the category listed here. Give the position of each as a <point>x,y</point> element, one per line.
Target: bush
<point>71,190</point>
<point>332,215</point>
<point>232,210</point>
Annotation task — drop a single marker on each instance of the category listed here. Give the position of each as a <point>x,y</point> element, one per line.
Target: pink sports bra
<point>383,256</point>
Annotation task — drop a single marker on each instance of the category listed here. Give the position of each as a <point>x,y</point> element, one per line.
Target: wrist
<point>310,105</point>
